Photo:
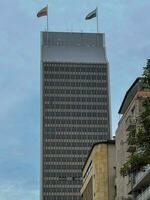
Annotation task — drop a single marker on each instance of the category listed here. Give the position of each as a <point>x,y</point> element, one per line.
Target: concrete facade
<point>99,173</point>
<point>130,110</point>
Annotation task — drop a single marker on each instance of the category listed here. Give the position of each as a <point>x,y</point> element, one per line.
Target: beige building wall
<point>121,157</point>
<point>101,170</point>
<point>122,183</point>
<point>111,171</point>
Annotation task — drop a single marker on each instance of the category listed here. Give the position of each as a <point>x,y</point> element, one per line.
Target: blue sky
<point>126,25</point>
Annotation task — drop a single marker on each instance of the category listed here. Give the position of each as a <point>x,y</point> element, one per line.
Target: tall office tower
<point>74,108</point>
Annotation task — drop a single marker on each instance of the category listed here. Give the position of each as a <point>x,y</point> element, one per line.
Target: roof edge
<point>95,144</point>
<point>124,99</point>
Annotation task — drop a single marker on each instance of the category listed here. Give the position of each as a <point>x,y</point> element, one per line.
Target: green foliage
<point>139,138</point>
<point>146,75</point>
<point>132,140</point>
<point>135,163</point>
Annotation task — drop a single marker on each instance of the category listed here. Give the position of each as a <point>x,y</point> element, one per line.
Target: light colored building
<point>131,108</point>
<point>99,172</point>
<point>141,185</point>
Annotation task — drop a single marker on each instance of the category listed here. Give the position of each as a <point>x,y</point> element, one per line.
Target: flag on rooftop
<point>91,14</point>
<point>43,12</point>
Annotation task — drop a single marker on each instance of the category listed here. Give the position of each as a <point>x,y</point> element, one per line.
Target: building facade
<point>74,108</point>
<point>137,186</point>
<point>99,172</point>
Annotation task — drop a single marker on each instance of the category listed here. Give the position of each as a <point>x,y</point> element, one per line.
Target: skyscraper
<point>74,108</point>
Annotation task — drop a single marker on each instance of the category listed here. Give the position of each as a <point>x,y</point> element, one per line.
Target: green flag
<point>91,14</point>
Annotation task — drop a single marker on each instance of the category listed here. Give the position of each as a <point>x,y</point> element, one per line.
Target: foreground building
<point>141,184</point>
<point>99,172</point>
<point>138,185</point>
<point>74,108</point>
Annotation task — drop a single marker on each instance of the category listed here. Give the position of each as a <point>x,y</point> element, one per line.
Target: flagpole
<point>97,18</point>
<point>47,26</point>
<point>47,17</point>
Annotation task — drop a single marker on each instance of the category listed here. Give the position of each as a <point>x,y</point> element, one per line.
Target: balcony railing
<point>140,175</point>
<point>145,195</point>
